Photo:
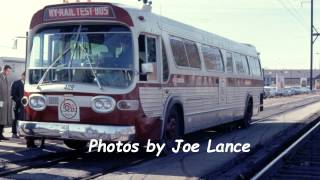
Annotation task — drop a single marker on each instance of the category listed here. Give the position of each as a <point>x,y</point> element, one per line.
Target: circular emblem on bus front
<point>68,108</point>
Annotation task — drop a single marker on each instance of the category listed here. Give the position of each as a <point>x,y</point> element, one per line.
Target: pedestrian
<point>17,91</point>
<point>5,104</point>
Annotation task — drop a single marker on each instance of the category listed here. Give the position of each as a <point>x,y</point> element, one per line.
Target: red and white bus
<point>116,73</point>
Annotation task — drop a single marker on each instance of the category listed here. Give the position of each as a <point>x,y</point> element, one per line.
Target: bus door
<point>149,58</point>
<point>151,95</point>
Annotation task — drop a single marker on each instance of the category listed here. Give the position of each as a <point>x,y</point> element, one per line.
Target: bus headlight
<point>103,104</point>
<point>37,102</point>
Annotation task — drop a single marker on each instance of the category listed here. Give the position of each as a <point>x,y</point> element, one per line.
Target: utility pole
<point>311,49</point>
<point>314,35</point>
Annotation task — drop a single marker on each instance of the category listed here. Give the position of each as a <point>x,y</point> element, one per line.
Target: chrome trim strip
<point>85,132</point>
<point>214,110</point>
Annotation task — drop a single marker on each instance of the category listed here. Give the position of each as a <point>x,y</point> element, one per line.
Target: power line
<point>307,1</point>
<point>293,15</point>
<point>3,46</point>
<point>298,13</point>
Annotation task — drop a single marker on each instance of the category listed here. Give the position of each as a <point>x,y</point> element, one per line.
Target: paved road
<point>289,99</point>
<point>271,105</point>
<point>195,165</point>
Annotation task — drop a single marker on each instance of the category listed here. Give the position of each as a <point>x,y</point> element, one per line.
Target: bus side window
<point>245,64</point>
<point>192,54</point>
<point>258,65</point>
<point>165,66</point>
<point>238,62</point>
<point>179,52</point>
<point>254,66</point>
<point>248,63</point>
<point>212,58</point>
<point>251,65</point>
<point>229,63</point>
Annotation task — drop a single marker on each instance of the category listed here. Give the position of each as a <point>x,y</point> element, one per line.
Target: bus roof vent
<point>147,8</point>
<point>146,5</point>
<point>250,45</point>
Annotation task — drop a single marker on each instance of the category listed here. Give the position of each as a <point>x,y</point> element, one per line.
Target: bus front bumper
<point>76,131</point>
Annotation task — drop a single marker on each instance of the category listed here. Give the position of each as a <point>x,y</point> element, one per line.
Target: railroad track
<point>297,98</point>
<point>118,167</point>
<point>281,109</point>
<point>104,164</point>
<point>301,160</point>
<point>14,167</point>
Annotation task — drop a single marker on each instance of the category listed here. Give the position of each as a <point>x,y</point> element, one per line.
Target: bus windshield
<point>92,54</point>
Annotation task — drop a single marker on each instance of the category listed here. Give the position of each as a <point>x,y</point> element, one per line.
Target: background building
<point>292,77</point>
<point>17,64</point>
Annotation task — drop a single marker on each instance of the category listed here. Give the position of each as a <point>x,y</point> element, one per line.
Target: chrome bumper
<point>76,131</point>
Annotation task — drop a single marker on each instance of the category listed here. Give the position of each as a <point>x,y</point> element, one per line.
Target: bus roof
<point>157,23</point>
<point>150,23</point>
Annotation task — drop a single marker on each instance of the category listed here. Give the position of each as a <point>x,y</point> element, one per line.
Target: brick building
<point>291,77</point>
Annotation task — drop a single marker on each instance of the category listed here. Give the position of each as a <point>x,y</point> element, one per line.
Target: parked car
<point>305,90</point>
<point>288,91</point>
<point>280,92</point>
<point>297,90</point>
<point>269,91</point>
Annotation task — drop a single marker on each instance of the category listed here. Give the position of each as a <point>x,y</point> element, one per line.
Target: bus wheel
<point>245,122</point>
<point>171,130</point>
<point>30,141</point>
<point>76,144</point>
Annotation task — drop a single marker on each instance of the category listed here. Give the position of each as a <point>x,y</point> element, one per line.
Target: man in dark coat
<point>17,91</point>
<point>5,100</point>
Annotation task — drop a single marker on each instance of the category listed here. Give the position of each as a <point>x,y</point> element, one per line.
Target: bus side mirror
<point>147,68</point>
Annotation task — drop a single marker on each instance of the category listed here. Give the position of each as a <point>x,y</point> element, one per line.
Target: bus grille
<point>53,100</point>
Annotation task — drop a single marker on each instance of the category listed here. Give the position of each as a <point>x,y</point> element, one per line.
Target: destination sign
<point>72,12</point>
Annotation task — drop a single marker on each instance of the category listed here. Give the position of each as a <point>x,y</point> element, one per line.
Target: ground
<point>281,116</point>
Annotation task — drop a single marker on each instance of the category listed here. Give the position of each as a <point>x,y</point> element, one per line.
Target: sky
<point>280,29</point>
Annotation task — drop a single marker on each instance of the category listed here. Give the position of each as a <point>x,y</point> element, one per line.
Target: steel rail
<point>285,152</point>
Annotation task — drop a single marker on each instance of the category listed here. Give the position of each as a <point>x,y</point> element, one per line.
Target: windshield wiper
<point>58,58</point>
<point>89,61</point>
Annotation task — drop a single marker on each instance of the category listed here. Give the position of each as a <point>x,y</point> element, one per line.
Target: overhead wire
<point>297,12</point>
<point>294,15</point>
